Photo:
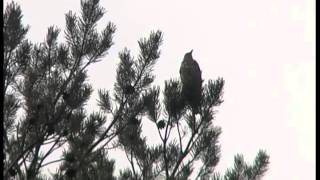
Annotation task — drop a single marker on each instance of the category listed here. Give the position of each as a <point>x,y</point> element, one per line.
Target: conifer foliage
<point>46,90</point>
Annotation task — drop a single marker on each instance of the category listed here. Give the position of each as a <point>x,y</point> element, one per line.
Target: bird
<point>191,80</point>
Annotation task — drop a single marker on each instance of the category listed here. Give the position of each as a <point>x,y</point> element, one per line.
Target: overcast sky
<point>264,49</point>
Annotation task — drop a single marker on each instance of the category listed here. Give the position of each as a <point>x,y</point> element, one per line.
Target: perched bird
<point>191,80</point>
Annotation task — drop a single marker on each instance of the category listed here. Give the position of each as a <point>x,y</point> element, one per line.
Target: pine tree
<point>186,138</point>
<point>48,82</point>
<point>46,89</point>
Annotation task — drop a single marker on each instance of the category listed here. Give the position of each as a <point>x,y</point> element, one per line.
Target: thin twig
<point>51,162</point>
<point>180,139</point>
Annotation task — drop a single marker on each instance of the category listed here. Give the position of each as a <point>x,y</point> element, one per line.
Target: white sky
<point>264,49</point>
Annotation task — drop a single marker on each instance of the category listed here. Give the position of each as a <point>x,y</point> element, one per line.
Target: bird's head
<point>188,56</point>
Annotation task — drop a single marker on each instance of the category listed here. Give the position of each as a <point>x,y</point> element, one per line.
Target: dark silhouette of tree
<point>46,89</point>
<point>187,136</point>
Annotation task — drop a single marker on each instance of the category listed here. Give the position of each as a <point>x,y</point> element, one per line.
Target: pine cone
<point>161,124</point>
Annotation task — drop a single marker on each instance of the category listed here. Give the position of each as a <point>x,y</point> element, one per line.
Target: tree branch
<point>180,139</point>
<point>49,152</point>
<point>51,162</point>
<point>187,149</point>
